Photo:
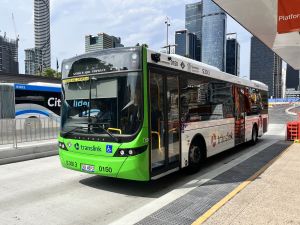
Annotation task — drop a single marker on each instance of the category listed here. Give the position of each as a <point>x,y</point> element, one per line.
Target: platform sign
<point>288,19</point>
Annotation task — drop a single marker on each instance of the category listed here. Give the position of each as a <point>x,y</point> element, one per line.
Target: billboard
<point>288,19</point>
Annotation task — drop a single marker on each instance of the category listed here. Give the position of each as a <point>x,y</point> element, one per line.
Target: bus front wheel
<point>195,159</point>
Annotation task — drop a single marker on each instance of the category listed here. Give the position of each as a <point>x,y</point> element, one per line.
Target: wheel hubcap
<point>196,155</point>
<point>254,136</point>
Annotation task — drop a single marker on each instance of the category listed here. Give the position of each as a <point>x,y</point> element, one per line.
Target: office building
<point>193,23</point>
<point>33,61</point>
<point>232,56</point>
<point>185,44</point>
<point>292,78</point>
<point>42,30</point>
<point>213,42</point>
<point>266,67</point>
<point>101,41</point>
<point>8,55</point>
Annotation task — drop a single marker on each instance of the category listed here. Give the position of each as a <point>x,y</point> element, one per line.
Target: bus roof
<point>192,66</point>
<point>33,87</point>
<point>45,84</point>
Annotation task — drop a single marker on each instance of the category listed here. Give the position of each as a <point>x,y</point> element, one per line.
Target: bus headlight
<point>123,152</point>
<point>62,145</point>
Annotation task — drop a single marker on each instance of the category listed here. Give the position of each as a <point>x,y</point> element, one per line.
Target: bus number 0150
<point>105,169</point>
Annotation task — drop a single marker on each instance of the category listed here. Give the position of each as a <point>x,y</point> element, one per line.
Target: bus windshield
<point>108,102</point>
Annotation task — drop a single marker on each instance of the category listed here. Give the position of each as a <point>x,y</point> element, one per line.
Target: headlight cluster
<point>125,152</point>
<point>62,145</point>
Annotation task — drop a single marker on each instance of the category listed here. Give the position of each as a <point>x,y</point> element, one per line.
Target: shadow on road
<point>157,188</point>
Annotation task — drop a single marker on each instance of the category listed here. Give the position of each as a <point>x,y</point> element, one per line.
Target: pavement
<point>272,198</point>
<point>27,151</point>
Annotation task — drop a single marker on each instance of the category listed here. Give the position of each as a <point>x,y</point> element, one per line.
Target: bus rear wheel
<point>254,136</point>
<point>195,159</point>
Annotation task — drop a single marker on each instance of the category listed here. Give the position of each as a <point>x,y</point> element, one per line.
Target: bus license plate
<point>87,168</point>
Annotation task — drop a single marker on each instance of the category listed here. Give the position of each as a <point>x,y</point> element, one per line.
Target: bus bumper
<point>132,168</point>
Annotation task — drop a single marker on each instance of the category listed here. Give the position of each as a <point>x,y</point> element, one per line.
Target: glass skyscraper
<point>185,44</point>
<point>266,67</point>
<point>232,56</point>
<point>213,50</point>
<point>193,23</point>
<point>292,78</point>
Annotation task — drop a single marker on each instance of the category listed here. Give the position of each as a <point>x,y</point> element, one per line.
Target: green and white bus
<point>137,114</point>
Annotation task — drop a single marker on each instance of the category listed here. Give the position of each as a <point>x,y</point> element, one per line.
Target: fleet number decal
<point>71,164</point>
<point>105,169</point>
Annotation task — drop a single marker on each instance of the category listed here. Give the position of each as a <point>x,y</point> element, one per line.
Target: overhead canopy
<point>259,17</point>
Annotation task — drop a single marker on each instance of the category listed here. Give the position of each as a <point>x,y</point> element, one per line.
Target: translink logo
<point>87,148</point>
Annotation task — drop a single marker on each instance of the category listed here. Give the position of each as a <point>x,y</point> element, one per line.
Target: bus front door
<point>165,138</point>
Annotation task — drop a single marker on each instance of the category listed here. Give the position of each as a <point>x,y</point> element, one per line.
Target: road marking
<point>157,204</point>
<point>238,189</point>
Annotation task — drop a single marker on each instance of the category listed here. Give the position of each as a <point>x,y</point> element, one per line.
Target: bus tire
<point>254,135</point>
<point>195,158</point>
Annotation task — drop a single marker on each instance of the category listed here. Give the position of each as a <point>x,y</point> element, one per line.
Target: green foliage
<point>51,73</point>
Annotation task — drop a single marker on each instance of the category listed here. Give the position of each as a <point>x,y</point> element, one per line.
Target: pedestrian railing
<point>14,131</point>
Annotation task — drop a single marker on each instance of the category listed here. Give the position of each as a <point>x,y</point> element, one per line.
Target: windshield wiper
<point>106,131</point>
<point>94,124</point>
<point>72,130</point>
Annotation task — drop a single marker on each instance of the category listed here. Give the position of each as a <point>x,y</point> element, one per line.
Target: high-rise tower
<point>42,30</point>
<point>266,67</point>
<point>213,42</point>
<point>193,23</point>
<point>8,55</point>
<point>232,56</point>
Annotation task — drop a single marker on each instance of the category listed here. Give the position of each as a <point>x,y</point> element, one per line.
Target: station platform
<point>263,188</point>
<point>271,198</point>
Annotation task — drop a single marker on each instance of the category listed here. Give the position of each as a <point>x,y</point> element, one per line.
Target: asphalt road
<point>279,116</point>
<point>42,192</point>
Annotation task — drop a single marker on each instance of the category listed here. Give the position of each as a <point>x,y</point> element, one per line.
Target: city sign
<point>288,19</point>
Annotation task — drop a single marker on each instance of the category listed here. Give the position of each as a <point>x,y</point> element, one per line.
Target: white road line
<point>156,204</point>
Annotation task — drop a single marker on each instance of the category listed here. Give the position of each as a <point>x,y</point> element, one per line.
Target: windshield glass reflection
<point>112,102</point>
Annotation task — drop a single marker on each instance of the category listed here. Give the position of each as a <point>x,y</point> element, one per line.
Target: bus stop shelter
<point>260,17</point>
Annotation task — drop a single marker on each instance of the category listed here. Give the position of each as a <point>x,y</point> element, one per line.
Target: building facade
<point>266,67</point>
<point>185,44</point>
<point>213,42</point>
<point>42,30</point>
<point>232,56</point>
<point>101,41</point>
<point>8,55</point>
<point>193,23</point>
<point>33,61</point>
<point>292,78</point>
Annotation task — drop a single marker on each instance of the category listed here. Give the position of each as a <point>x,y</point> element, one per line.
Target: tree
<point>51,73</point>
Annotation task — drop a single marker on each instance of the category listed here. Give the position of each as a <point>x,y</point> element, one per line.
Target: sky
<point>135,21</point>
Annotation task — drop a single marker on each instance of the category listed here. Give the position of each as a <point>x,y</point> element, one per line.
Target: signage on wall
<point>288,19</point>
